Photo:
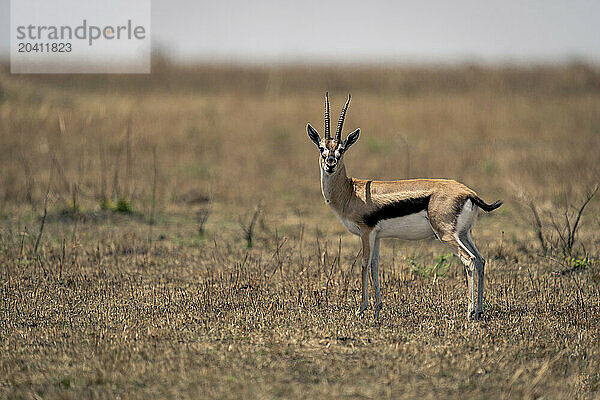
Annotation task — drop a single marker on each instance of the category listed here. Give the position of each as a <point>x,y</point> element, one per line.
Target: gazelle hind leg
<point>467,240</point>
<point>449,227</point>
<point>476,262</point>
<point>375,277</point>
<point>454,250</point>
<point>468,260</point>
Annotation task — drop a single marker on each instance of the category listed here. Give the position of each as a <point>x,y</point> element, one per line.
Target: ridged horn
<point>338,133</point>
<point>327,122</point>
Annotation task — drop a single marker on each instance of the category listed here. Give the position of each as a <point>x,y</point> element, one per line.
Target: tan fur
<point>352,198</point>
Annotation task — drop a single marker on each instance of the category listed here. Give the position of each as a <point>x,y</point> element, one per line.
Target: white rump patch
<point>467,217</point>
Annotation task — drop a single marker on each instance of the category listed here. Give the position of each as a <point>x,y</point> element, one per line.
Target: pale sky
<point>309,31</point>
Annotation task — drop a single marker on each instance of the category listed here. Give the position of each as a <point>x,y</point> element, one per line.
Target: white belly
<point>411,227</point>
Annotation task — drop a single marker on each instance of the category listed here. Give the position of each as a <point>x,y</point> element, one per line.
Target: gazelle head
<point>332,149</point>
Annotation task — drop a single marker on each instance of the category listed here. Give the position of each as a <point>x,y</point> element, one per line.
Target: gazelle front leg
<point>375,276</point>
<point>366,264</point>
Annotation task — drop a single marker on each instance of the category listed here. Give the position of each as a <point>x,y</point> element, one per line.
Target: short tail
<point>484,206</point>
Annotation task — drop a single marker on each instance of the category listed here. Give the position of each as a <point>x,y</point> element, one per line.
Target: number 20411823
<point>26,47</point>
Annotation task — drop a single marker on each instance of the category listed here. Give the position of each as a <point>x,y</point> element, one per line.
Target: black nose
<point>331,160</point>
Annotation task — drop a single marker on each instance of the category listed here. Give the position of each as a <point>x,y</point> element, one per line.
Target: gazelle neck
<point>336,188</point>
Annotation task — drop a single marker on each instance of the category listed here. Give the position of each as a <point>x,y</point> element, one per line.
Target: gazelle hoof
<point>362,309</point>
<point>378,308</point>
<point>474,315</point>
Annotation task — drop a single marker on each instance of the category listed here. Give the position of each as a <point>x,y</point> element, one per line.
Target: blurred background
<point>267,32</point>
<point>501,95</point>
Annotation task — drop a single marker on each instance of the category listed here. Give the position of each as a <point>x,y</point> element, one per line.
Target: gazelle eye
<point>321,149</point>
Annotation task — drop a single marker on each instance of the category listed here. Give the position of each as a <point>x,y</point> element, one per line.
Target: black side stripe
<point>400,208</point>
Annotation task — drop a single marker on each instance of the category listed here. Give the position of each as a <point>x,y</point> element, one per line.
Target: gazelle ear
<point>352,138</point>
<point>313,135</point>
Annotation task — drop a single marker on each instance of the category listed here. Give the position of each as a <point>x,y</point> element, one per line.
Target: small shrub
<point>123,206</point>
<point>106,205</point>
<point>202,217</point>
<point>248,228</point>
<point>578,263</point>
<point>562,224</point>
<point>573,264</point>
<point>65,382</point>
<point>442,263</point>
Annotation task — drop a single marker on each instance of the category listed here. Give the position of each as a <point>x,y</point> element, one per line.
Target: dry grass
<point>146,299</point>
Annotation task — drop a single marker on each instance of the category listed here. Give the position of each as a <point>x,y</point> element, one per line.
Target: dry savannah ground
<point>186,251</point>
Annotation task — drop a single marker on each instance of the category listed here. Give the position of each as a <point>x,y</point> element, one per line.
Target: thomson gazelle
<point>410,209</point>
